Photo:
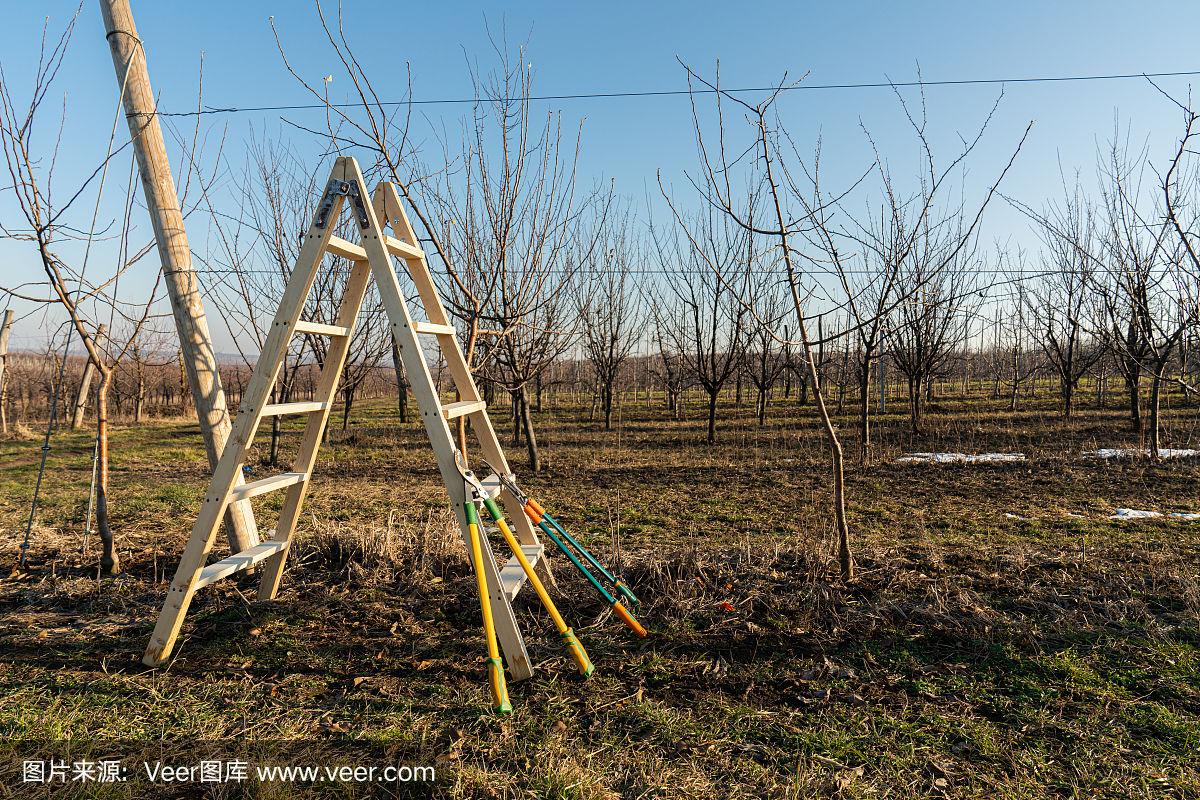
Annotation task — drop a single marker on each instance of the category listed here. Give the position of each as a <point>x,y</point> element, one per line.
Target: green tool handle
<point>599,587</point>
<point>620,587</point>
<point>620,610</point>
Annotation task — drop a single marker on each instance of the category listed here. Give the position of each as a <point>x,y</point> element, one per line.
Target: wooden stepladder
<point>372,257</point>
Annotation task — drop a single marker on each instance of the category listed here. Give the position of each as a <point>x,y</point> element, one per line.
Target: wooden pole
<point>162,203</point>
<point>85,383</point>
<point>5,328</point>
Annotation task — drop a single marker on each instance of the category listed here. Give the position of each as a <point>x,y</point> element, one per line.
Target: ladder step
<point>264,485</point>
<point>304,326</point>
<point>491,485</point>
<point>279,409</point>
<point>434,328</point>
<point>462,408</point>
<point>240,561</point>
<point>340,247</point>
<point>403,249</point>
<point>512,575</point>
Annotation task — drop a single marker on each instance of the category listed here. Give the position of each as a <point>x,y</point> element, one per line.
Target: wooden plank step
<point>340,247</point>
<point>403,249</point>
<point>305,326</point>
<point>462,408</point>
<point>491,484</point>
<point>512,576</point>
<point>264,485</point>
<point>305,407</point>
<point>434,328</point>
<point>239,561</point>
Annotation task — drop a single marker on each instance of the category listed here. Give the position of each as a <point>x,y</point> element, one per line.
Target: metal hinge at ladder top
<point>351,191</point>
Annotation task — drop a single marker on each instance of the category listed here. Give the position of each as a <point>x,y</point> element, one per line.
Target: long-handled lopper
<point>560,537</point>
<point>500,703</point>
<point>574,647</point>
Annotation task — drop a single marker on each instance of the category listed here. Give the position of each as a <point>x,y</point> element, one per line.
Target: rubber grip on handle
<point>586,668</point>
<point>501,705</point>
<point>628,619</point>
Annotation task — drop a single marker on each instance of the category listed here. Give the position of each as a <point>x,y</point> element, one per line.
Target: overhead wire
<point>608,95</point>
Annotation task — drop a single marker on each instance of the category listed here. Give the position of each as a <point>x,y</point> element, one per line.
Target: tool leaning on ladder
<point>478,495</point>
<point>560,537</point>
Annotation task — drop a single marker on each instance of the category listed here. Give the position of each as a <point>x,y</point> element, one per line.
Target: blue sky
<point>594,47</point>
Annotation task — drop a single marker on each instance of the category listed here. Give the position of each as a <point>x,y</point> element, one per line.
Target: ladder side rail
<point>314,431</point>
<point>460,372</point>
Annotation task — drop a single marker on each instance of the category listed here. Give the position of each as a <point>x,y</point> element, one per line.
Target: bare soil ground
<point>1003,639</point>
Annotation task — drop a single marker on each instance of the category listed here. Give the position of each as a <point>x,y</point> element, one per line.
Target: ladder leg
<point>227,472</point>
<point>179,596</point>
<point>388,210</point>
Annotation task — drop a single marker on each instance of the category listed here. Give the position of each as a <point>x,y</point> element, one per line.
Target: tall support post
<point>162,204</point>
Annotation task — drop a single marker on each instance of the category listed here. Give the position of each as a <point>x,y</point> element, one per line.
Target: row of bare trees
<point>765,271</point>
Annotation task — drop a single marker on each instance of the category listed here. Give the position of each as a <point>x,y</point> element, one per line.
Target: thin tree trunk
<point>1155,397</point>
<point>401,384</point>
<point>914,404</point>
<point>531,445</point>
<point>110,562</point>
<point>1133,386</point>
<point>712,416</point>
<point>347,403</point>
<point>5,329</point>
<point>518,416</point>
<point>139,400</point>
<point>864,412</point>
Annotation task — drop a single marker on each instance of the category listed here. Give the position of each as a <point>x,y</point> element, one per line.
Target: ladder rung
<point>462,408</point>
<point>512,574</point>
<point>340,247</point>
<point>304,326</point>
<point>279,409</point>
<point>433,327</point>
<point>264,485</point>
<point>238,562</point>
<point>491,485</point>
<point>402,249</point>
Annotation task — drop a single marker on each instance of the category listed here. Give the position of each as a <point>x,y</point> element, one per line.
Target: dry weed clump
<point>408,550</point>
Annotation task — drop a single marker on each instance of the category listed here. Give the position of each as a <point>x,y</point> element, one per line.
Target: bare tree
<point>940,289</point>
<point>1146,290</point>
<point>6,324</point>
<point>1058,307</point>
<point>701,266</point>
<point>610,308</point>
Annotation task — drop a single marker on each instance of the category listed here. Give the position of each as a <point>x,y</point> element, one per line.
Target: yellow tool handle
<point>500,702</point>
<point>568,636</point>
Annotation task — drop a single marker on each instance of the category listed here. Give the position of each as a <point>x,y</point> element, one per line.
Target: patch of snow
<point>1138,452</point>
<point>1183,515</point>
<point>1134,513</point>
<point>960,458</point>
<point>1018,517</point>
